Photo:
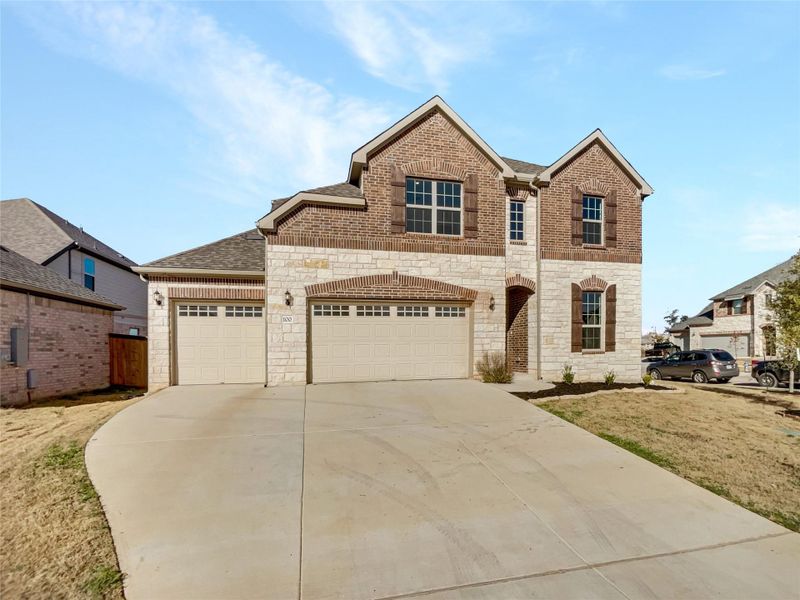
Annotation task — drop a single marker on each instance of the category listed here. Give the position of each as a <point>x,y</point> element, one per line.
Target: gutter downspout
<point>538,280</point>
<point>266,309</point>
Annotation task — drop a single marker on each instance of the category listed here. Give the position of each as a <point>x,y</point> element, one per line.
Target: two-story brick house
<point>434,251</point>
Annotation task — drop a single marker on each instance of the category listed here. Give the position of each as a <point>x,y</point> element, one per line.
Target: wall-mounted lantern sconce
<point>158,297</point>
<point>491,303</point>
<point>288,298</point>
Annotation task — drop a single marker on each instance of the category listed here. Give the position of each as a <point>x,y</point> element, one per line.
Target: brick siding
<point>433,148</point>
<point>593,171</point>
<point>517,329</point>
<point>68,347</point>
<point>390,286</point>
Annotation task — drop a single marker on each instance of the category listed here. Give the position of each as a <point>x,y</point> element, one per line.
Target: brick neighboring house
<point>59,330</point>
<point>738,320</point>
<point>50,240</point>
<point>434,251</point>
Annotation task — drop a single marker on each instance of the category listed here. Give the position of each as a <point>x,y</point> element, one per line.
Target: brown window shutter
<point>611,318</point>
<point>611,219</point>
<point>398,200</point>
<point>577,318</point>
<point>577,216</point>
<point>471,206</point>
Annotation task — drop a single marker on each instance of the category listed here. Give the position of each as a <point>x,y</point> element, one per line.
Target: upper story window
<point>88,273</point>
<point>591,303</point>
<point>737,307</point>
<point>592,220</point>
<point>433,206</point>
<point>516,225</point>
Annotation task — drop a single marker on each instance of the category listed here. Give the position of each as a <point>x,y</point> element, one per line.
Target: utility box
<point>19,346</point>
<point>33,379</point>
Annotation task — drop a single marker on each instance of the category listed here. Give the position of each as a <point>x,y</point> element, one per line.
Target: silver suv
<point>699,365</point>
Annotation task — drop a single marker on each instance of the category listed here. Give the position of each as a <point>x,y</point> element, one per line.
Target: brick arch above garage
<point>391,286</point>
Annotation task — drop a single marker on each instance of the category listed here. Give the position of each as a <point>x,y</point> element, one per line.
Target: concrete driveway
<point>451,489</point>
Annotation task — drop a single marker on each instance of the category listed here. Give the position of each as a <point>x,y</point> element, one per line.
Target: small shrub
<point>609,377</point>
<point>567,374</point>
<point>647,379</point>
<point>493,368</point>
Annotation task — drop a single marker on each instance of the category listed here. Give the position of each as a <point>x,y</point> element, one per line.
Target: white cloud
<point>264,124</point>
<point>414,45</point>
<point>689,73</point>
<point>772,228</point>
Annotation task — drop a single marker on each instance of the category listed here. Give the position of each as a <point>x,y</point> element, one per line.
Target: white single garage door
<point>378,342</point>
<point>220,343</point>
<point>738,347</point>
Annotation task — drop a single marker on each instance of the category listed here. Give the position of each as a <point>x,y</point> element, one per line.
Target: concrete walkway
<point>390,490</point>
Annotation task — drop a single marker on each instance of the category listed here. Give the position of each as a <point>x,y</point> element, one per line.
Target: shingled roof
<point>521,166</point>
<point>701,319</point>
<point>39,234</point>
<point>18,272</point>
<point>775,275</point>
<point>241,252</point>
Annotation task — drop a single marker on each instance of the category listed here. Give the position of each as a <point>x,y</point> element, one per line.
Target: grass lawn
<point>54,539</point>
<point>734,445</point>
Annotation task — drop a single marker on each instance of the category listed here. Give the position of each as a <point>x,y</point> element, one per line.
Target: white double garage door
<point>348,341</point>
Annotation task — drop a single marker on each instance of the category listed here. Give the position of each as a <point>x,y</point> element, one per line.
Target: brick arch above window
<point>434,167</point>
<point>520,281</point>
<point>391,286</point>
<point>594,187</point>
<point>593,284</point>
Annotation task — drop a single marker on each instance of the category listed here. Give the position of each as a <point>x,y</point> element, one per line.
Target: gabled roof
<point>242,254</point>
<point>773,276</point>
<point>20,273</point>
<point>40,234</point>
<point>338,194</point>
<point>359,158</point>
<point>599,137</point>
<point>701,319</point>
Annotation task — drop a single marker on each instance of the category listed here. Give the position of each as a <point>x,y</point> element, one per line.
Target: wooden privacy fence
<point>128,360</point>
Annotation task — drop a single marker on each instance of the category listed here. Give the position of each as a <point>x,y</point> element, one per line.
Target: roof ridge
<point>40,209</point>
<point>230,237</point>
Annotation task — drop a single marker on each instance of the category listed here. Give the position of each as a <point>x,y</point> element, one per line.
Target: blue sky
<point>159,127</point>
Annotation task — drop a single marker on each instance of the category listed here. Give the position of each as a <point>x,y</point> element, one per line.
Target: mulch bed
<point>585,387</point>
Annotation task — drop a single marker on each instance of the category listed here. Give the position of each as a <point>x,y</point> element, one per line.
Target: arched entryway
<point>518,294</point>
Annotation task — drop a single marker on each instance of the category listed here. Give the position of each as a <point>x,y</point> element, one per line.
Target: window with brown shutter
<point>471,206</point>
<point>611,219</point>
<point>577,318</point>
<point>398,200</point>
<point>611,318</point>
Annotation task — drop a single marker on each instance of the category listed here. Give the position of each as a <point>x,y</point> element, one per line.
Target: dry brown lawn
<point>55,542</point>
<point>737,446</point>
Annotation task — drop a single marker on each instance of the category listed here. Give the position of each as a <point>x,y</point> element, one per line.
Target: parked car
<point>698,365</point>
<point>661,349</point>
<point>770,373</point>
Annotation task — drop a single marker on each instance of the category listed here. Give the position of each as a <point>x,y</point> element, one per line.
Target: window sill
<point>518,242</point>
<point>594,247</point>
<point>428,236</point>
<point>593,351</point>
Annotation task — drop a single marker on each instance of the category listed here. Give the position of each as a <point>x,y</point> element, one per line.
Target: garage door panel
<point>380,346</point>
<point>216,348</point>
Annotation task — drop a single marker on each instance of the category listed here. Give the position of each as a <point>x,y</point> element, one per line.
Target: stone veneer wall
<point>159,332</point>
<point>68,347</point>
<point>557,278</point>
<point>293,267</point>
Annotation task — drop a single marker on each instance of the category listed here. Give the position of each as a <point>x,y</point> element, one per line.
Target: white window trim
<point>510,221</point>
<point>435,209</point>
<point>601,220</point>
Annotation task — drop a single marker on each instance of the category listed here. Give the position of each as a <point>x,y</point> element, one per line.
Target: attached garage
<point>389,341</point>
<point>738,347</point>
<point>219,343</point>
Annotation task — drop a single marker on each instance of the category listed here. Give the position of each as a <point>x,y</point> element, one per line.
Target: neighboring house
<point>49,240</point>
<point>434,251</point>
<point>53,333</point>
<point>738,320</point>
